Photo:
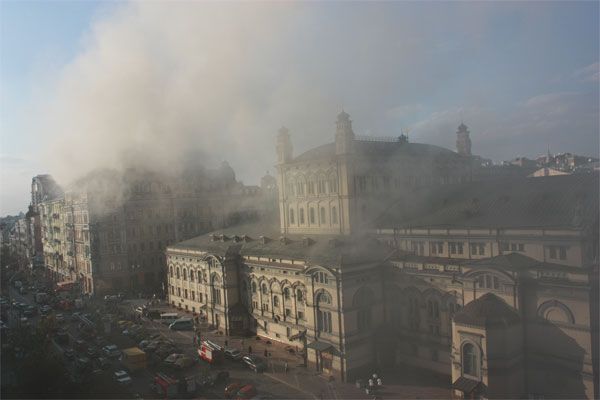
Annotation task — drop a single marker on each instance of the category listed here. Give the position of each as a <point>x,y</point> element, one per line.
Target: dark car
<point>69,354</point>
<point>30,311</point>
<point>62,337</point>
<point>103,363</point>
<point>92,352</point>
<point>255,363</point>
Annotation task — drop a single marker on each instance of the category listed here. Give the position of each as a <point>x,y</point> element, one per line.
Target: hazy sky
<point>89,84</point>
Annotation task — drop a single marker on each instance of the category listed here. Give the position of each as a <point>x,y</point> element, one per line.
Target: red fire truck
<point>210,352</point>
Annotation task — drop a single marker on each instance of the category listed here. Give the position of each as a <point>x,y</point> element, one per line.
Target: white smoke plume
<point>162,83</point>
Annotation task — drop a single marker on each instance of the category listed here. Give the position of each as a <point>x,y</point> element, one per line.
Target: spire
<point>463,141</point>
<point>284,145</point>
<point>344,136</point>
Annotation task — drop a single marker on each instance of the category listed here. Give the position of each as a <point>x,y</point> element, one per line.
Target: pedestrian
<point>285,367</point>
<point>249,349</point>
<point>266,353</point>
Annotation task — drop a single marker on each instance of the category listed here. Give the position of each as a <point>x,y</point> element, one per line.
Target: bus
<point>168,318</point>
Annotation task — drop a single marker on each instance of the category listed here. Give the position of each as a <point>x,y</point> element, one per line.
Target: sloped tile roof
<point>557,201</point>
<point>487,311</point>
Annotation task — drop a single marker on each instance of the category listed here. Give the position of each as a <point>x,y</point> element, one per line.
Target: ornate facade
<point>490,283</point>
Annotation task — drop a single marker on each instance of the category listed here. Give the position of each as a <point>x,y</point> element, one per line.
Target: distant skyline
<point>217,80</point>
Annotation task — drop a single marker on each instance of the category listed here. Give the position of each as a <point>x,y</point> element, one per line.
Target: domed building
<point>386,254</point>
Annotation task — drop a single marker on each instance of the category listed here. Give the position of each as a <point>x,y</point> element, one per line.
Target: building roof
<point>487,311</point>
<point>569,201</point>
<point>378,151</point>
<point>264,240</point>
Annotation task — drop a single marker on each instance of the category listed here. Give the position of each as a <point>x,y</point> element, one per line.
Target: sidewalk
<point>400,383</point>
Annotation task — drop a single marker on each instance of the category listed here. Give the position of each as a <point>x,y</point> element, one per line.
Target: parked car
<point>103,363</point>
<point>62,337</point>
<point>255,363</point>
<point>111,351</point>
<point>122,377</point>
<point>69,354</point>
<point>92,352</point>
<point>80,345</point>
<point>233,354</point>
<point>30,311</point>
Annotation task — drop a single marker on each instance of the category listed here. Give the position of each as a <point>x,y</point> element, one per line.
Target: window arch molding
<point>471,358</point>
<point>548,308</point>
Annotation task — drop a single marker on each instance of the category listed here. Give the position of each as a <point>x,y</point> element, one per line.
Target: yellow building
<point>490,283</point>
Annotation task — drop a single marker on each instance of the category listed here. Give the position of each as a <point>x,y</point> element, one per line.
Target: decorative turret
<point>463,141</point>
<point>284,146</point>
<point>344,136</point>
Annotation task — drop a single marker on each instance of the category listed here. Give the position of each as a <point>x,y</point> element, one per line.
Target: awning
<point>466,385</point>
<point>319,346</point>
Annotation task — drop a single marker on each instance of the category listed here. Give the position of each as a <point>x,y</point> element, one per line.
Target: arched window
<point>253,287</point>
<point>334,216</point>
<point>324,316</point>
<point>185,274</point>
<point>264,288</point>
<point>488,281</point>
<point>312,215</point>
<point>286,293</point>
<point>470,360</point>
<point>433,309</point>
<point>171,271</point>
<point>275,301</point>
<point>321,185</point>
<point>215,290</point>
<point>322,216</point>
<point>291,216</point>
<point>191,275</point>
<point>178,276</point>
<point>333,187</point>
<point>301,216</point>
<point>414,317</point>
<point>299,295</point>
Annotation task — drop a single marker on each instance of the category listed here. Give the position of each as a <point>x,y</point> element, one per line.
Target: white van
<point>168,318</point>
<point>182,324</point>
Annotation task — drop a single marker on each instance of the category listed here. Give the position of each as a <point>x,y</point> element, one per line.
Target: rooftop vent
<point>246,238</point>
<point>213,238</point>
<point>283,240</point>
<point>237,239</point>
<point>264,239</point>
<point>307,241</point>
<point>224,238</point>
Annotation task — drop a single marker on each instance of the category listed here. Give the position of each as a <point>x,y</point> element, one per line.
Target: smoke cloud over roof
<point>160,84</point>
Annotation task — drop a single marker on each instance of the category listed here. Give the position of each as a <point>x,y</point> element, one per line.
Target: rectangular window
<point>193,295</point>
<point>288,312</point>
<point>562,253</point>
<point>521,247</point>
<point>481,249</point>
<point>504,246</point>
<point>553,252</point>
<point>300,315</point>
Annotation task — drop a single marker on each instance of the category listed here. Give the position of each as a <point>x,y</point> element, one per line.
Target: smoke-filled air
<point>160,84</point>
